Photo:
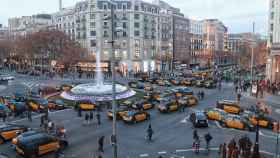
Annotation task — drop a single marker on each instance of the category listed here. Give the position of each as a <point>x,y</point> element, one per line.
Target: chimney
<point>60,5</point>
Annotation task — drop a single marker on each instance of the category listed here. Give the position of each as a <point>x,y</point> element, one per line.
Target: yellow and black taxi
<point>56,104</point>
<point>237,122</point>
<point>136,116</point>
<point>182,91</point>
<point>19,97</point>
<point>120,112</point>
<point>86,105</point>
<point>17,107</point>
<point>186,82</point>
<point>143,105</point>
<point>229,106</point>
<point>10,131</point>
<point>215,114</point>
<point>37,104</point>
<point>263,120</point>
<point>36,145</point>
<point>136,84</point>
<point>188,101</point>
<point>209,84</point>
<point>152,96</point>
<point>174,81</point>
<point>24,134</point>
<point>166,106</point>
<point>5,99</point>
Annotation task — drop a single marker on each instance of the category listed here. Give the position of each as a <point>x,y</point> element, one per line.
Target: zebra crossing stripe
<point>144,155</point>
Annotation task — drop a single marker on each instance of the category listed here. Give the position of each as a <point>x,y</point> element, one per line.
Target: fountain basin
<point>97,92</point>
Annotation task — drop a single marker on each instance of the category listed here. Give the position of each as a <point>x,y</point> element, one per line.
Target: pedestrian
<point>98,118</point>
<point>208,138</point>
<point>197,146</point>
<point>4,117</point>
<point>231,146</point>
<point>202,94</point>
<point>29,115</point>
<point>195,135</point>
<point>79,112</point>
<point>150,132</point>
<point>91,117</point>
<point>100,144</point>
<point>42,120</point>
<point>86,118</point>
<point>57,153</point>
<point>224,151</point>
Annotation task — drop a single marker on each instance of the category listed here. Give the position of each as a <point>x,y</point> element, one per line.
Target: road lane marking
<point>268,136</point>
<point>144,155</point>
<point>162,152</point>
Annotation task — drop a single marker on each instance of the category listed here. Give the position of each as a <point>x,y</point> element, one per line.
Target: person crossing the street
<point>100,144</point>
<point>90,117</point>
<point>208,138</point>
<point>150,132</point>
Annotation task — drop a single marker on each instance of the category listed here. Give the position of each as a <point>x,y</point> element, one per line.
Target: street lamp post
<point>256,152</point>
<point>252,59</point>
<point>277,140</point>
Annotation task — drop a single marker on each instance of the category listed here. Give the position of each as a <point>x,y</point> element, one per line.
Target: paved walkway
<point>2,87</point>
<point>267,98</point>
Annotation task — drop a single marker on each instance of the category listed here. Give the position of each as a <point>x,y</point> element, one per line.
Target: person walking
<point>98,118</point>
<point>90,117</point>
<point>79,112</point>
<point>29,115</point>
<point>202,94</point>
<point>86,118</point>
<point>195,135</point>
<point>197,146</point>
<point>224,151</point>
<point>4,117</point>
<point>100,144</point>
<point>208,138</point>
<point>150,132</point>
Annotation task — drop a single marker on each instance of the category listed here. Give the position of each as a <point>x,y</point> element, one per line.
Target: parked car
<point>188,101</point>
<point>167,105</point>
<point>215,114</point>
<point>143,105</point>
<point>264,121</point>
<point>86,105</point>
<point>56,104</point>
<point>237,122</point>
<point>136,116</point>
<point>121,111</point>
<point>37,104</point>
<point>39,144</point>
<point>10,131</point>
<point>199,119</point>
<point>229,106</point>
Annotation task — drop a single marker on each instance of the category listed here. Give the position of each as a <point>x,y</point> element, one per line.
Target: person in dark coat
<point>4,117</point>
<point>98,118</point>
<point>91,117</point>
<point>86,118</point>
<point>224,151</point>
<point>100,144</point>
<point>150,132</point>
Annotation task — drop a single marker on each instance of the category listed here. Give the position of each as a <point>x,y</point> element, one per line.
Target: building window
<point>124,25</point>
<point>92,24</point>
<point>136,25</point>
<point>124,7</point>
<point>92,6</point>
<point>105,34</point>
<point>92,43</point>
<point>271,27</point>
<point>92,33</point>
<point>136,7</point>
<point>136,33</point>
<point>105,6</point>
<point>92,16</point>
<point>272,15</point>
<point>136,16</point>
<point>124,34</point>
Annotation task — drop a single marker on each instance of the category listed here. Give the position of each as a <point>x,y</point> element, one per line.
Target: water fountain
<point>99,90</point>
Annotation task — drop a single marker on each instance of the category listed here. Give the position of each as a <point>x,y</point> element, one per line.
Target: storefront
<point>91,66</point>
<point>273,64</point>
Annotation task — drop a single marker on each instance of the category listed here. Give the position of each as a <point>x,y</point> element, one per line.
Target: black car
<point>199,119</point>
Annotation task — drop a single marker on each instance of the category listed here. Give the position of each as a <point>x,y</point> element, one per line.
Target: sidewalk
<point>267,98</point>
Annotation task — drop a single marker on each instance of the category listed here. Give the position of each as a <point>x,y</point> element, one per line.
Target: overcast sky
<point>237,15</point>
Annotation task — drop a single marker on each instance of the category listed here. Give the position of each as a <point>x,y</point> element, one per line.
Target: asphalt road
<point>173,132</point>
